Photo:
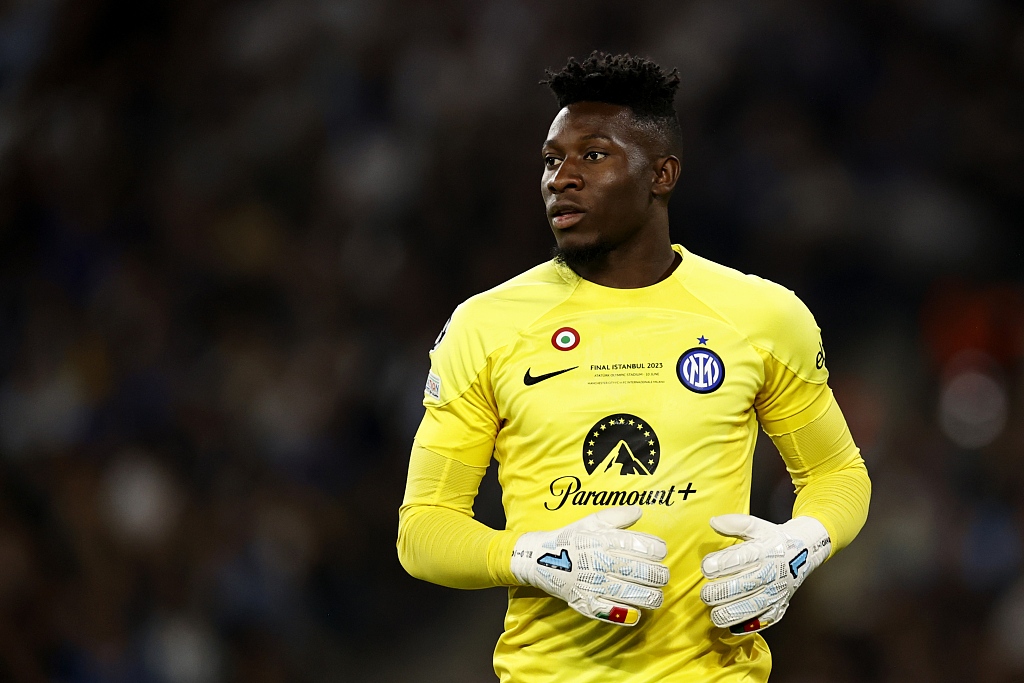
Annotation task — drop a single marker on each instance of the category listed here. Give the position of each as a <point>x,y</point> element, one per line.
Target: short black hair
<point>640,84</point>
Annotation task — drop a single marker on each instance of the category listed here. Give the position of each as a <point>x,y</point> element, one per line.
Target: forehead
<point>585,119</point>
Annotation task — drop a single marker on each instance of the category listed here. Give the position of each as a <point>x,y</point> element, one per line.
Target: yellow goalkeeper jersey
<point>589,397</point>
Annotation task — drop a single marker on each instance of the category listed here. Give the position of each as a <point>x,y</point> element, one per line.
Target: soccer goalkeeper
<point>620,387</point>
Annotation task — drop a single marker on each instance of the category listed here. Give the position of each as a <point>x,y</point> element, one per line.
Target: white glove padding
<point>601,570</point>
<point>752,582</point>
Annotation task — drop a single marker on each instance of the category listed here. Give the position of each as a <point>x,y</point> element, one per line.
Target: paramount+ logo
<point>619,444</point>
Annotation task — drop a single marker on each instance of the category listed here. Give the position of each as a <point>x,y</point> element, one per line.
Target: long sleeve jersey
<point>588,397</point>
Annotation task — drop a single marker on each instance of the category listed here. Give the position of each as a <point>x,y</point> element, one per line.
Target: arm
<point>831,481</point>
<point>599,569</point>
<point>438,539</point>
<point>797,410</point>
<point>753,582</point>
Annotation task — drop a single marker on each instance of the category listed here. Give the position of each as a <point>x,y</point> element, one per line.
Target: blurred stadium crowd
<point>229,232</point>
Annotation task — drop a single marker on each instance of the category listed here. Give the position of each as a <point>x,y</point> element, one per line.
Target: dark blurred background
<point>229,232</point>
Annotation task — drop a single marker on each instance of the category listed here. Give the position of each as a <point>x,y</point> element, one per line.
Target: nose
<point>565,177</point>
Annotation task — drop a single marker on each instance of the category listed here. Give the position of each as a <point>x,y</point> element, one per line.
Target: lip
<point>565,214</point>
<point>567,220</point>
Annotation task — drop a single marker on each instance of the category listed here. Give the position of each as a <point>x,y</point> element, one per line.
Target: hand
<point>601,570</point>
<point>752,582</point>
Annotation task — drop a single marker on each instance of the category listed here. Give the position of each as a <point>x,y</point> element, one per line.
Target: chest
<point>669,376</point>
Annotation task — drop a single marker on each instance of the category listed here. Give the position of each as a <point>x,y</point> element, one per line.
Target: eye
<point>595,156</point>
<point>551,162</point>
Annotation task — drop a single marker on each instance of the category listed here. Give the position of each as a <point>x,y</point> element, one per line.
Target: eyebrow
<point>589,136</point>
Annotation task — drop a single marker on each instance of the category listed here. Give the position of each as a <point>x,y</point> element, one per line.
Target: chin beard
<point>580,257</point>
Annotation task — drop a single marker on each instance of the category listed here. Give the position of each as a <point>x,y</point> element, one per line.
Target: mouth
<point>565,215</point>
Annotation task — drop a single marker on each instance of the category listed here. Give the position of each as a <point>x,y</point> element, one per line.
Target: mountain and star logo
<point>623,443</point>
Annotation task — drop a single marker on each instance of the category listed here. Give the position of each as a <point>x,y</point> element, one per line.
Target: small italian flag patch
<point>565,339</point>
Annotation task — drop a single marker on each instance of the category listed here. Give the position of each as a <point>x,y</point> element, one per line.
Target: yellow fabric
<point>618,425</point>
<point>832,483</point>
<point>438,539</point>
<point>470,422</point>
<point>782,388</point>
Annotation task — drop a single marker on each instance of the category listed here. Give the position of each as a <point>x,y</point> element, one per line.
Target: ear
<point>666,173</point>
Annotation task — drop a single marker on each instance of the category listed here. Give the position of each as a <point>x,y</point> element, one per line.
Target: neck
<point>639,262</point>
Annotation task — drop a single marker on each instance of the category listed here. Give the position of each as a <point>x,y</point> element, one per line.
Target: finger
<point>750,626</point>
<point>746,527</point>
<point>760,623</point>
<point>732,560</point>
<point>739,611</point>
<point>636,570</point>
<point>611,518</point>
<point>614,613</point>
<point>640,572</point>
<point>737,587</point>
<point>633,594</point>
<point>635,543</point>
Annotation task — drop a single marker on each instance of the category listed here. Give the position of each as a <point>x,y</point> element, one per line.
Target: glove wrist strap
<point>524,557</point>
<point>812,532</point>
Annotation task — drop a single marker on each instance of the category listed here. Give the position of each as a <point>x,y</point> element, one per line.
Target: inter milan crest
<point>700,370</point>
<point>621,443</point>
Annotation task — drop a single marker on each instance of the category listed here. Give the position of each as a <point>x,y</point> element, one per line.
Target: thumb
<point>746,527</point>
<point>611,518</point>
<point>738,557</point>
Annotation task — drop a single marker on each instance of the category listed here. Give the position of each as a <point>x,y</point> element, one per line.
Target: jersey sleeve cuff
<point>499,558</point>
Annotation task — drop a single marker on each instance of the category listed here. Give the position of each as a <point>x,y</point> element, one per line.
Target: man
<point>620,387</point>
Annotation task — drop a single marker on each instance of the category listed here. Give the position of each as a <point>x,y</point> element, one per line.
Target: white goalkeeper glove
<point>601,570</point>
<point>752,582</point>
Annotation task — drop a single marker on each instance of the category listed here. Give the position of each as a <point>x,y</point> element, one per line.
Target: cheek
<point>640,176</point>
<point>629,195</point>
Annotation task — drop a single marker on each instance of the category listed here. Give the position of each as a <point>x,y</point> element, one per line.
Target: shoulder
<point>771,317</point>
<point>498,314</point>
<point>749,301</point>
<point>512,303</point>
<point>488,322</point>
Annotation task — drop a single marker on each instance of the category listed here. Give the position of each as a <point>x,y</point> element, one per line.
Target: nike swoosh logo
<point>529,380</point>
